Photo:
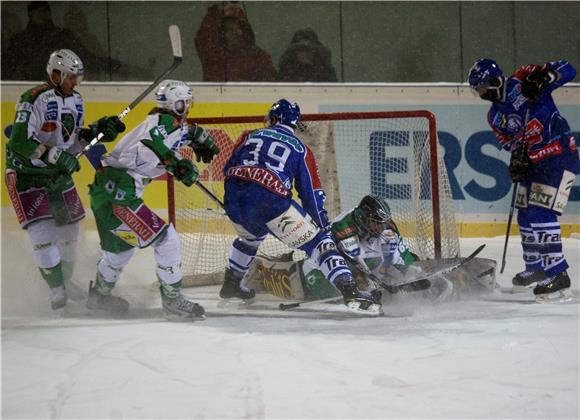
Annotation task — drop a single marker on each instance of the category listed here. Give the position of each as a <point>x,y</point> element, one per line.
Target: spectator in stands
<point>11,25</point>
<point>306,60</point>
<point>226,45</point>
<point>27,50</point>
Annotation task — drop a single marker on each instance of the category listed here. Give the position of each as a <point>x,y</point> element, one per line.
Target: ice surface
<point>506,358</point>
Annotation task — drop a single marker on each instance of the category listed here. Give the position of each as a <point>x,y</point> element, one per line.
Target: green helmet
<point>373,215</point>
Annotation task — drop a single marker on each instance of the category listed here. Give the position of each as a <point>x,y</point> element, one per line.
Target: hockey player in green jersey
<point>124,222</point>
<point>370,241</point>
<point>40,160</point>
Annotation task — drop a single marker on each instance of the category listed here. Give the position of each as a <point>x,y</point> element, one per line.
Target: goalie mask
<point>486,79</point>
<point>372,216</point>
<point>285,113</point>
<point>67,63</point>
<point>174,96</point>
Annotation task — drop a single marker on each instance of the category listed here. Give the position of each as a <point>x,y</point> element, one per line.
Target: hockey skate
<point>181,309</point>
<point>525,280</point>
<point>554,289</point>
<point>233,290</point>
<point>57,297</point>
<point>357,301</point>
<point>101,300</point>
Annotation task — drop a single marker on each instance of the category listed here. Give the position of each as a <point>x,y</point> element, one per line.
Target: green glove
<point>185,171</point>
<point>202,144</point>
<point>109,126</point>
<point>63,160</point>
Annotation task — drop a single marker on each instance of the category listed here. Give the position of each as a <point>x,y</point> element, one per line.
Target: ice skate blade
<point>372,310</point>
<point>234,303</point>
<point>170,316</point>
<point>560,296</point>
<point>523,289</point>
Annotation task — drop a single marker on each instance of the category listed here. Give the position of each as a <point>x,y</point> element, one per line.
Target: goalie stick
<point>424,277</point>
<point>175,38</point>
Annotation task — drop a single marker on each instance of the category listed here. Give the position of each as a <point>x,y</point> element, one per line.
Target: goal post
<point>393,154</point>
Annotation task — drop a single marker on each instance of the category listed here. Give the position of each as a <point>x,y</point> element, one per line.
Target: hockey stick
<point>452,267</point>
<point>175,38</point>
<point>513,202</point>
<point>509,225</point>
<point>285,306</point>
<point>209,194</point>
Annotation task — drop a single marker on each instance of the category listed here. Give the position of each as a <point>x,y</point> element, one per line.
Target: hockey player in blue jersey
<point>258,200</point>
<point>544,161</point>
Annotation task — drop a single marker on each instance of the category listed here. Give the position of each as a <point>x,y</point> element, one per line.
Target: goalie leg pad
<point>168,256</point>
<point>42,234</point>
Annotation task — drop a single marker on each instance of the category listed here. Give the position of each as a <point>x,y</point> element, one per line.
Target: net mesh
<point>389,155</point>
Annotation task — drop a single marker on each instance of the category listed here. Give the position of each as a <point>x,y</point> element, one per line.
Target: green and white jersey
<point>141,151</point>
<point>373,252</point>
<point>47,119</point>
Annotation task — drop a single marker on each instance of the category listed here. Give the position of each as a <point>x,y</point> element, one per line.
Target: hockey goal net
<point>392,154</point>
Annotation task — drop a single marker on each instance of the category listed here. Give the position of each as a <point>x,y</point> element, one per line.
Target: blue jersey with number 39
<point>275,159</point>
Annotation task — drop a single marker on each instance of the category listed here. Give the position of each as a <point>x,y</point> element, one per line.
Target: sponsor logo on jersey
<point>265,177</point>
<point>514,123</point>
<point>24,106</point>
<point>534,131</point>
<point>546,151</point>
<point>346,232</point>
<point>51,111</point>
<point>48,126</point>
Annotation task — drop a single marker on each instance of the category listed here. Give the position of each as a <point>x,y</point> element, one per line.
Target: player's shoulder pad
<point>32,94</point>
<point>169,122</point>
<point>345,227</point>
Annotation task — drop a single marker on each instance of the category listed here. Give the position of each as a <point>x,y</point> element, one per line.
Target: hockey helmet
<point>174,96</point>
<point>373,215</point>
<point>285,113</point>
<point>485,78</point>
<point>67,63</point>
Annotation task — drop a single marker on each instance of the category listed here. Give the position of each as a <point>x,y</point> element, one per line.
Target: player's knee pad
<point>167,250</point>
<point>112,264</point>
<point>67,240</point>
<point>42,234</point>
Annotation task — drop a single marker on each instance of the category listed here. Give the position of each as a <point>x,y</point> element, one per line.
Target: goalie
<point>370,241</point>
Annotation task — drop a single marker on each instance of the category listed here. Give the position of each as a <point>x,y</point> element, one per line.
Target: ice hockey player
<point>544,161</point>
<point>258,200</point>
<point>47,133</point>
<point>125,222</point>
<point>371,243</point>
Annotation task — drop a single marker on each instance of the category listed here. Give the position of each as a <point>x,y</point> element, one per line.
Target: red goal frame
<point>337,116</point>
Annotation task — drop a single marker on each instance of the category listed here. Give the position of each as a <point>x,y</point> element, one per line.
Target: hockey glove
<point>64,161</point>
<point>202,144</point>
<point>536,82</point>
<point>109,126</point>
<point>185,171</point>
<point>520,163</point>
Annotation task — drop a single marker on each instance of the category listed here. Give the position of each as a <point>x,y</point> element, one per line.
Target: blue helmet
<point>484,72</point>
<point>285,112</point>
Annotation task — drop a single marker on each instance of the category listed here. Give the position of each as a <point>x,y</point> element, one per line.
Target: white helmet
<point>67,62</point>
<point>175,96</point>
